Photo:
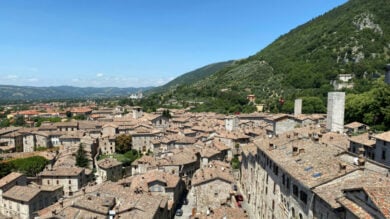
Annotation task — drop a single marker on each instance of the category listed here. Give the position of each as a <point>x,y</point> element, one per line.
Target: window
<point>273,205</point>
<point>58,182</point>
<point>383,154</point>
<point>70,182</point>
<point>275,169</point>
<point>295,190</point>
<point>48,182</point>
<point>303,197</point>
<point>288,183</point>
<point>293,212</point>
<point>274,188</point>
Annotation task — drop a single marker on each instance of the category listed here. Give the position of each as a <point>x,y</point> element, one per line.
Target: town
<point>121,162</point>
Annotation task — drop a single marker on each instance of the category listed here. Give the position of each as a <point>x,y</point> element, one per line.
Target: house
<point>8,181</point>
<point>213,187</point>
<point>108,169</point>
<point>67,126</point>
<point>366,202</point>
<point>300,176</point>
<point>107,145</point>
<point>110,129</point>
<point>71,178</point>
<point>382,148</point>
<point>363,144</point>
<point>355,127</point>
<point>23,201</point>
<point>11,140</point>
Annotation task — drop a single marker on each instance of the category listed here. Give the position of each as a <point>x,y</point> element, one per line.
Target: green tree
<point>69,114</point>
<point>5,169</point>
<point>80,117</point>
<point>166,114</point>
<point>19,121</point>
<point>4,122</point>
<point>123,143</point>
<point>30,166</point>
<point>81,157</point>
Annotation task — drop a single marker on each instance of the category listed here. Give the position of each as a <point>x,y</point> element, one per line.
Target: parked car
<point>239,198</point>
<point>239,204</point>
<point>179,212</point>
<point>235,187</point>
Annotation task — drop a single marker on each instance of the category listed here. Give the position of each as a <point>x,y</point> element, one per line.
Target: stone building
<point>23,201</point>
<point>382,148</point>
<point>108,169</point>
<point>212,187</point>
<point>301,176</point>
<point>71,178</point>
<point>107,145</point>
<point>19,200</point>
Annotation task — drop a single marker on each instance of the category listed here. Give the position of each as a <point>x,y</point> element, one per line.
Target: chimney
<point>361,160</point>
<point>342,167</point>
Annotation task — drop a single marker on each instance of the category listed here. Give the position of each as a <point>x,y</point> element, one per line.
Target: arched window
<point>293,212</point>
<point>300,216</point>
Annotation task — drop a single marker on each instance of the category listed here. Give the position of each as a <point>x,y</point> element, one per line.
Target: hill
<point>192,76</point>
<point>353,38</point>
<point>26,93</point>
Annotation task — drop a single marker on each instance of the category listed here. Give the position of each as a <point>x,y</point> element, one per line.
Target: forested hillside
<point>351,39</point>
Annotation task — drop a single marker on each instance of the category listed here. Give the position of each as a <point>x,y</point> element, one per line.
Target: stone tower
<point>231,123</point>
<point>137,112</point>
<point>297,107</point>
<point>335,112</point>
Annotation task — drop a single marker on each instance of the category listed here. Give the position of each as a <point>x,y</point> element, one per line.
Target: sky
<point>136,43</point>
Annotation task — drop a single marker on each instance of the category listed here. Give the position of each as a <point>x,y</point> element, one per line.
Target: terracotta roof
<point>381,197</point>
<point>213,172</point>
<point>21,193</point>
<point>312,164</point>
<point>353,125</point>
<point>70,171</point>
<point>385,136</point>
<point>28,112</point>
<point>81,110</point>
<point>354,208</point>
<point>363,139</point>
<point>9,178</point>
<point>107,163</point>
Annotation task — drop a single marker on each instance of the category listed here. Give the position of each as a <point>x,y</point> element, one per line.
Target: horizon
<point>136,43</point>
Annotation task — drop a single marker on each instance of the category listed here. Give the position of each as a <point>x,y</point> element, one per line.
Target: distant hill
<point>23,93</point>
<point>353,38</point>
<point>192,76</point>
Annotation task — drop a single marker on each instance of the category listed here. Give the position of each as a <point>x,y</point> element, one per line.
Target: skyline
<point>136,43</point>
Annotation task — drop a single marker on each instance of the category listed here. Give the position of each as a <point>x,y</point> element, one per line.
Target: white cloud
<point>12,77</point>
<point>99,75</point>
<point>32,79</point>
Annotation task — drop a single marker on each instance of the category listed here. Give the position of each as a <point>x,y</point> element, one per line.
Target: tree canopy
<point>123,143</point>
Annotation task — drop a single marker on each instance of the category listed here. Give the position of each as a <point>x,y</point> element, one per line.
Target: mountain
<point>24,93</point>
<point>192,76</point>
<point>353,38</point>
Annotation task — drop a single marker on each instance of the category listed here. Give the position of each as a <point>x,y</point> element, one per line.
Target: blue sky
<point>135,43</point>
